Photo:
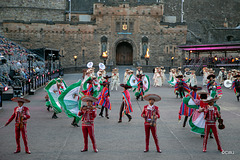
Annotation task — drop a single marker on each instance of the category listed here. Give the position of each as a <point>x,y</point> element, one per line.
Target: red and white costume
<point>18,113</point>
<point>148,112</point>
<point>88,117</point>
<point>211,114</point>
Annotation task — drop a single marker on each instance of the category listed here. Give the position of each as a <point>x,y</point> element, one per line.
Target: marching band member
<point>158,82</point>
<point>163,74</point>
<point>126,105</point>
<point>125,79</point>
<point>193,79</point>
<point>222,75</point>
<point>151,113</point>
<point>115,79</point>
<point>87,75</point>
<point>154,76</point>
<point>229,75</point>
<point>21,115</point>
<point>179,70</point>
<point>139,71</point>
<point>88,114</point>
<point>101,71</point>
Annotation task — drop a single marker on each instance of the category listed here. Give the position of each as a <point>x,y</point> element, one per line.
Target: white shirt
<point>149,107</point>
<point>19,109</point>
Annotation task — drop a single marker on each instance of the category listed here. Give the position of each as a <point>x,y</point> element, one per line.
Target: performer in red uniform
<point>126,105</point>
<point>211,114</point>
<point>88,114</point>
<point>150,113</point>
<point>21,115</point>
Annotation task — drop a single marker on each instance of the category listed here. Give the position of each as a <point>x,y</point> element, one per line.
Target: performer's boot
<point>101,113</point>
<point>129,117</point>
<point>106,113</point>
<point>185,121</point>
<point>176,95</point>
<point>48,108</point>
<point>141,98</point>
<point>74,123</point>
<point>54,116</point>
<point>238,98</point>
<point>137,97</point>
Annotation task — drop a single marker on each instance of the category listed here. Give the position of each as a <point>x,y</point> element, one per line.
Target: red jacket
<point>88,116</point>
<point>211,115</point>
<point>16,114</point>
<point>148,113</point>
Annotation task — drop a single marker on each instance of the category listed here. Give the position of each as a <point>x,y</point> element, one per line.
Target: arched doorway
<point>124,54</point>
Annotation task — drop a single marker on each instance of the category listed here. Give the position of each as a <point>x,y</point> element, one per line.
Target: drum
<point>227,83</point>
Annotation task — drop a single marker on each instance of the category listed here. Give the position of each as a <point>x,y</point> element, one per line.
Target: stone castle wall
<point>84,39</point>
<point>32,10</point>
<point>202,15</point>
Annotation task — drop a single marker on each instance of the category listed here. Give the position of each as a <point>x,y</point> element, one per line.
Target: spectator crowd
<point>16,63</point>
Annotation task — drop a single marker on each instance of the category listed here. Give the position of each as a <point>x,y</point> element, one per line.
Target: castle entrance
<point>124,54</point>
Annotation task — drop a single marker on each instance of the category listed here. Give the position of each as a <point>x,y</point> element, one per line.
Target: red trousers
<point>88,130</point>
<point>154,134</point>
<point>212,126</point>
<point>24,136</point>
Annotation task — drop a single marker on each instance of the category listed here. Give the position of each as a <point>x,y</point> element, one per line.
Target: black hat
<point>195,87</point>
<point>140,75</point>
<point>179,76</point>
<point>104,83</point>
<point>125,86</point>
<point>236,76</point>
<point>211,75</point>
<point>107,77</point>
<point>89,81</point>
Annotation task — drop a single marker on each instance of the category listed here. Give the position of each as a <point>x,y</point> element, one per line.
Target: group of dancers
<point>197,104</point>
<point>200,105</point>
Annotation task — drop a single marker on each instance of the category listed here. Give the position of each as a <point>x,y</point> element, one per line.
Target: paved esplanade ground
<point>56,139</point>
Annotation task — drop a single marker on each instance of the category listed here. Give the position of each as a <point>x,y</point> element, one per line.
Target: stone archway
<point>124,53</point>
